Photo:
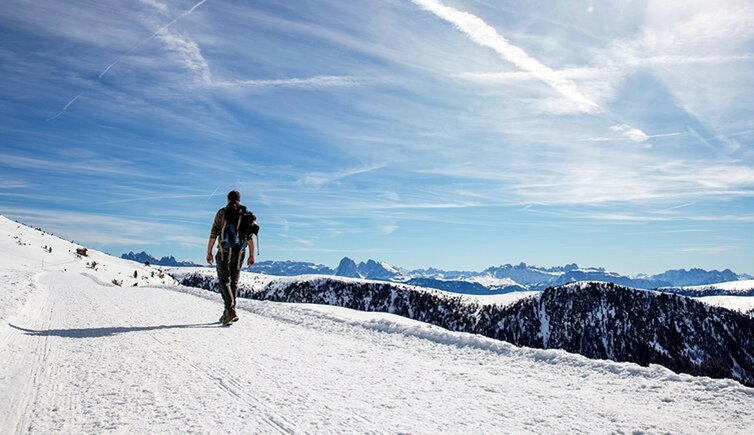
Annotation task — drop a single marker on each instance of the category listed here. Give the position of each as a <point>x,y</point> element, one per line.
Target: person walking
<point>230,226</point>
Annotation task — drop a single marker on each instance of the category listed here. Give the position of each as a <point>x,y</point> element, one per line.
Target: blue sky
<point>455,134</point>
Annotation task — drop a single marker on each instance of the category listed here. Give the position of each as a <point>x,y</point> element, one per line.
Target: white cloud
<point>485,35</point>
<point>621,178</point>
<point>319,179</point>
<point>188,52</point>
<point>387,228</point>
<point>160,7</point>
<point>632,133</point>
<point>701,53</point>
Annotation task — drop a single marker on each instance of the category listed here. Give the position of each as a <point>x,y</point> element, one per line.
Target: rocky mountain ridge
<point>520,276</point>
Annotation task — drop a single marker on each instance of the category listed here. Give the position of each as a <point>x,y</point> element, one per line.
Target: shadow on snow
<point>107,332</point>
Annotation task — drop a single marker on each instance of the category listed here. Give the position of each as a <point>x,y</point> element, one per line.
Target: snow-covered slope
<point>27,251</point>
<point>742,304</point>
<point>732,288</point>
<point>739,286</point>
<point>81,356</point>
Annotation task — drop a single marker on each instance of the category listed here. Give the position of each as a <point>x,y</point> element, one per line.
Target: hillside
<point>597,320</point>
<point>82,355</point>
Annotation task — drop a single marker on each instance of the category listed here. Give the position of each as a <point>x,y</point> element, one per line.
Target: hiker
<point>232,223</point>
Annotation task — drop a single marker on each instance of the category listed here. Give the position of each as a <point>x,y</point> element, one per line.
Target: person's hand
<point>210,259</point>
<point>250,262</point>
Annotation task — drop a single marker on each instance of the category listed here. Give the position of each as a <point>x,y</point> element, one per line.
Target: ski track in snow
<point>80,357</point>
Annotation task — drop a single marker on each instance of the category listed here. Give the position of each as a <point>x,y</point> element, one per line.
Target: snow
<point>388,267</point>
<point>81,355</point>
<point>491,281</point>
<point>741,285</point>
<point>24,255</point>
<point>742,304</point>
<point>501,299</point>
<point>23,249</point>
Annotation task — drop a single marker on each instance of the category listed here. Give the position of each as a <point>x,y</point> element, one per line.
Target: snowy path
<point>82,357</point>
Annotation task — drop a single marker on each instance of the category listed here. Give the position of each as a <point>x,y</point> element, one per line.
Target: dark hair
<point>234,196</point>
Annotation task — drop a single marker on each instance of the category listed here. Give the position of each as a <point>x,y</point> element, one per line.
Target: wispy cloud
<point>308,82</point>
<point>158,198</point>
<point>67,105</point>
<point>103,230</point>
<point>714,250</point>
<point>632,133</point>
<point>160,7</point>
<point>189,53</point>
<point>80,166</point>
<point>108,67</point>
<point>342,135</point>
<point>485,35</point>
<point>319,179</point>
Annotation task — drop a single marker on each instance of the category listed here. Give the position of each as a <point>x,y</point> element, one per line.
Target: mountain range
<point>492,280</point>
<point>144,258</point>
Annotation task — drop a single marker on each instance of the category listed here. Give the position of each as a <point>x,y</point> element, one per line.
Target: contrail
<point>66,106</point>
<point>213,193</point>
<point>160,30</point>
<point>485,35</point>
<point>163,28</point>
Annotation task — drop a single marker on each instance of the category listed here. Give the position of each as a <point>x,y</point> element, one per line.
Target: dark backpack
<point>240,225</point>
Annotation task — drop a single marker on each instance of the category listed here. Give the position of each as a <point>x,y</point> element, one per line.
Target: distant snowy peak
<point>492,282</point>
<point>348,268</point>
<point>388,268</point>
<point>370,269</point>
<point>143,257</point>
<point>600,275</point>
<point>524,274</point>
<point>377,270</point>
<point>691,277</point>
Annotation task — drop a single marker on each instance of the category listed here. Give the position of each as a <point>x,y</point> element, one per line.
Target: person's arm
<point>213,233</point>
<point>251,260</point>
<point>210,245</point>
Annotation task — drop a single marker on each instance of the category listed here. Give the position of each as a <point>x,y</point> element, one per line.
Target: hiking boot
<point>223,317</point>
<point>231,318</point>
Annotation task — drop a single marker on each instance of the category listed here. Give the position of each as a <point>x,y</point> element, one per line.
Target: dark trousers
<point>229,265</point>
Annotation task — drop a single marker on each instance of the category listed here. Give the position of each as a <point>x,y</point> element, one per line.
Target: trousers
<point>229,263</point>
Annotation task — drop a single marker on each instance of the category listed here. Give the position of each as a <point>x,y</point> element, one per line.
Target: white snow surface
<point>491,281</point>
<point>743,304</point>
<point>741,285</point>
<point>79,355</point>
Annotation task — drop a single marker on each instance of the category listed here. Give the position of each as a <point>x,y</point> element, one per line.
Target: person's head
<point>234,196</point>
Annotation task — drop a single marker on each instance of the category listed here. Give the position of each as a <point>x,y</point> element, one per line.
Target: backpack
<point>240,224</point>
